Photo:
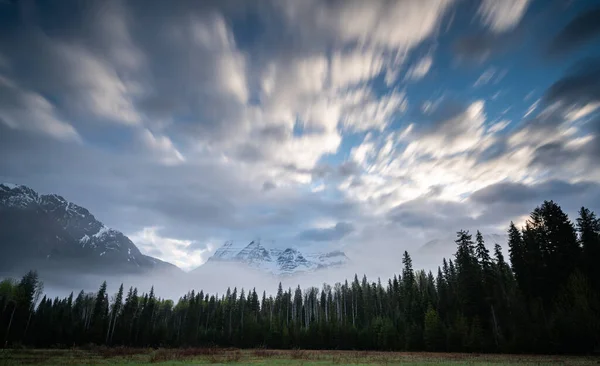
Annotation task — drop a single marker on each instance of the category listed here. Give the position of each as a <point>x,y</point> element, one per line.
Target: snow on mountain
<point>277,261</point>
<point>14,195</point>
<point>9,185</point>
<point>56,228</point>
<point>226,251</point>
<point>328,259</point>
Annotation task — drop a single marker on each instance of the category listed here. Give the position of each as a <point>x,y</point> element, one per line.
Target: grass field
<point>216,356</point>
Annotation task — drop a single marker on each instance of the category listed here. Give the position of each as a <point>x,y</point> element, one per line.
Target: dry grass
<point>112,352</point>
<point>298,354</point>
<point>212,354</point>
<point>261,356</point>
<point>266,353</point>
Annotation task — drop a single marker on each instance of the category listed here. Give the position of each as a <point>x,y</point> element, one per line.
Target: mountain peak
<point>15,195</point>
<point>10,185</point>
<point>51,228</point>
<point>224,252</point>
<point>277,261</point>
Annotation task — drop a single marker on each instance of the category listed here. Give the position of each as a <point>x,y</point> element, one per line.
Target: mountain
<point>277,261</point>
<point>40,231</point>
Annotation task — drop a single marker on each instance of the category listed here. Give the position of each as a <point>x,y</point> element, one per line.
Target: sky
<point>367,126</point>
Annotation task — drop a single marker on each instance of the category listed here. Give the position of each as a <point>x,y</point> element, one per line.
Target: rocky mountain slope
<point>277,261</point>
<point>38,231</point>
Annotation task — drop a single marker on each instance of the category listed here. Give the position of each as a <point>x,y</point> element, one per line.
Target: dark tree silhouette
<point>546,300</point>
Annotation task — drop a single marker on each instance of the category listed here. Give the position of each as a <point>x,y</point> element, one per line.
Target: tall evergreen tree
<point>468,274</point>
<point>517,252</point>
<point>114,314</point>
<point>483,254</point>
<point>100,314</point>
<point>588,227</point>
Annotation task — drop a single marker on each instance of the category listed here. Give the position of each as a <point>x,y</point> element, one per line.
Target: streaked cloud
<point>328,123</point>
<point>420,68</point>
<point>504,15</point>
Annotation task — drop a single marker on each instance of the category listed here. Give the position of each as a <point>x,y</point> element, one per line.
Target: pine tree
<point>499,257</point>
<point>433,330</point>
<point>563,247</point>
<point>588,227</point>
<point>551,250</point>
<point>517,256</point>
<point>114,314</point>
<point>99,314</point>
<point>483,254</point>
<point>468,278</point>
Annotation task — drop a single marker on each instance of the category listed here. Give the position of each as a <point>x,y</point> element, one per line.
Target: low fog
<point>376,260</point>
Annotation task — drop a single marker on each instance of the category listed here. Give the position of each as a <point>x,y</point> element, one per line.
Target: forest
<point>542,298</point>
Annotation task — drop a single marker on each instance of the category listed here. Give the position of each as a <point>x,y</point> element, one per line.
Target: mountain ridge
<point>47,229</point>
<point>277,261</point>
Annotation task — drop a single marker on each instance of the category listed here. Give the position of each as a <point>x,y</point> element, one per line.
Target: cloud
<point>562,139</point>
<point>182,253</point>
<point>318,188</point>
<point>486,77</point>
<point>420,68</point>
<point>498,126</point>
<point>479,47</point>
<point>200,48</point>
<point>193,84</point>
<point>578,88</point>
<point>340,230</point>
<point>21,109</point>
<point>420,212</point>
<point>521,193</point>
<point>531,108</point>
<point>554,153</point>
<point>87,83</point>
<point>104,93</point>
<point>352,68</point>
<point>457,133</point>
<point>268,186</point>
<point>501,16</point>
<point>506,30</point>
<point>410,163</point>
<point>581,29</point>
<point>374,113</point>
<point>162,147</point>
<point>395,25</point>
<point>288,120</point>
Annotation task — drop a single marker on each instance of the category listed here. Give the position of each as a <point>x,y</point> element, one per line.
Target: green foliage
<point>548,301</point>
<point>433,331</point>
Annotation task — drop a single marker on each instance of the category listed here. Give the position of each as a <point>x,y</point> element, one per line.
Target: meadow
<point>223,356</point>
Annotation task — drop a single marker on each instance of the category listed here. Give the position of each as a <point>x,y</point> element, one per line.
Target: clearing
<point>200,356</point>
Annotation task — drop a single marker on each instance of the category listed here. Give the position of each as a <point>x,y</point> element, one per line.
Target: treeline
<point>547,302</point>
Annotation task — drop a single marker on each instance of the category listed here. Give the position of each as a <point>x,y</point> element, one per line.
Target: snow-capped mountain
<point>277,261</point>
<point>38,230</point>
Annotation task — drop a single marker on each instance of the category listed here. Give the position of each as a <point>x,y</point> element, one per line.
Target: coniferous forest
<point>543,298</point>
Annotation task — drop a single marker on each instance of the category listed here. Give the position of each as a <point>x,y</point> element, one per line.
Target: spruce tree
<point>114,314</point>
<point>468,278</point>
<point>588,227</point>
<point>517,256</point>
<point>99,315</point>
<point>483,254</point>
